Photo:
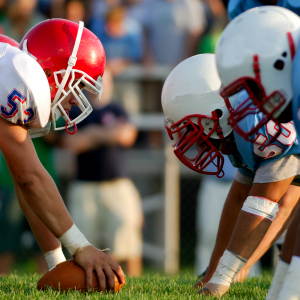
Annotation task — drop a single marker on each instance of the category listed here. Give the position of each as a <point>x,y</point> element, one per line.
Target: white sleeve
<point>38,132</point>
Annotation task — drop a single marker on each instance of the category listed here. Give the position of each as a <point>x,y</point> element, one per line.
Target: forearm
<point>230,213</point>
<point>44,237</point>
<point>257,214</point>
<point>42,198</point>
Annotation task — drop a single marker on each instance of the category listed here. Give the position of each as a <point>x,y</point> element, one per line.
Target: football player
<point>267,69</point>
<point>263,187</point>
<point>40,82</point>
<point>236,7</point>
<point>255,52</point>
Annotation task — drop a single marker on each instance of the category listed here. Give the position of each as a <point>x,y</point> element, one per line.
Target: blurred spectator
<point>217,19</point>
<point>77,10</point>
<point>173,28</point>
<point>103,201</point>
<point>3,5</point>
<point>135,9</point>
<point>121,40</point>
<point>99,8</point>
<point>52,8</point>
<point>21,16</point>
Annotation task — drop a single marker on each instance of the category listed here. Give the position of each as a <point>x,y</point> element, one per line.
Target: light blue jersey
<point>236,7</point>
<point>251,156</point>
<point>296,90</point>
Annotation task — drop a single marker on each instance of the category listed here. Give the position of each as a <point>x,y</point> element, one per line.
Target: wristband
<point>54,257</point>
<point>74,240</point>
<point>229,265</point>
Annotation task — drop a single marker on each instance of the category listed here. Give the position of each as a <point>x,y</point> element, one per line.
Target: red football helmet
<point>72,58</point>
<point>8,40</point>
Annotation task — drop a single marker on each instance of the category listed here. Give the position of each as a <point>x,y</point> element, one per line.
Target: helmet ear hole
<point>279,64</point>
<point>48,72</point>
<point>219,113</point>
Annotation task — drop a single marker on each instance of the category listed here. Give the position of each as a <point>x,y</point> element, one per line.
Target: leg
<point>286,273</point>
<point>84,209</point>
<point>231,209</point>
<point>210,201</point>
<point>287,209</point>
<point>134,266</point>
<point>250,229</point>
<point>124,222</point>
<point>291,289</point>
<point>7,260</point>
<point>11,220</point>
<point>247,235</point>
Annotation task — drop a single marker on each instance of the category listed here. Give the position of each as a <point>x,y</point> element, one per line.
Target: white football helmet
<point>195,111</point>
<point>255,53</point>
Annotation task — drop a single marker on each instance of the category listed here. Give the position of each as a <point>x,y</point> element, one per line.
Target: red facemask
<point>194,148</point>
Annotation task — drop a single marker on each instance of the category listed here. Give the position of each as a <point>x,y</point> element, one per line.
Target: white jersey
<point>24,90</point>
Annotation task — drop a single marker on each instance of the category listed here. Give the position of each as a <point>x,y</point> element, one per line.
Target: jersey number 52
<point>286,138</point>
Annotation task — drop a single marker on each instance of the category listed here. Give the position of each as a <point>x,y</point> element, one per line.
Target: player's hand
<point>199,284</point>
<point>241,275</point>
<point>206,276</point>
<point>90,259</point>
<point>214,289</point>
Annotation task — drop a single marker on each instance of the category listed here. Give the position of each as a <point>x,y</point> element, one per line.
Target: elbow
<point>26,182</point>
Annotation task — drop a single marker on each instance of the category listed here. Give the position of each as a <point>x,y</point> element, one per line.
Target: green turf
<point>151,286</point>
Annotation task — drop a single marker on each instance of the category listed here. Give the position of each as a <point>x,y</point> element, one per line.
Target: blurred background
<point>143,40</point>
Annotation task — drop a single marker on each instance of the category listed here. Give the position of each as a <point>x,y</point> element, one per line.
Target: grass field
<point>151,286</point>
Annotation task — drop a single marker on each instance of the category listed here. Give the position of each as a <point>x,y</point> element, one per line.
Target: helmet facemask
<point>195,146</point>
<point>75,86</point>
<point>69,79</point>
<point>256,102</point>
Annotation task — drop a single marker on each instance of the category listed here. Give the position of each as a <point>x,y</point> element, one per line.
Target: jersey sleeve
<point>236,7</point>
<point>38,132</point>
<point>24,89</point>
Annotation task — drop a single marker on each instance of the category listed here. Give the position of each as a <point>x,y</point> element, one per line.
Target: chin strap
<point>75,126</point>
<point>26,50</point>
<point>71,62</point>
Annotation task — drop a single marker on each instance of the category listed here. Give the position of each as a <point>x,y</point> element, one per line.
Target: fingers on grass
<point>120,275</point>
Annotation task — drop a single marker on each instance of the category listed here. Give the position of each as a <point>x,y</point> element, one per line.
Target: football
<point>69,276</point>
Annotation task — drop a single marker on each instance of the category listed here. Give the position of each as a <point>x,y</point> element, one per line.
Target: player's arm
<point>34,182</point>
<point>287,207</point>
<point>48,243</point>
<point>42,196</point>
<point>232,207</point>
<point>253,222</point>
